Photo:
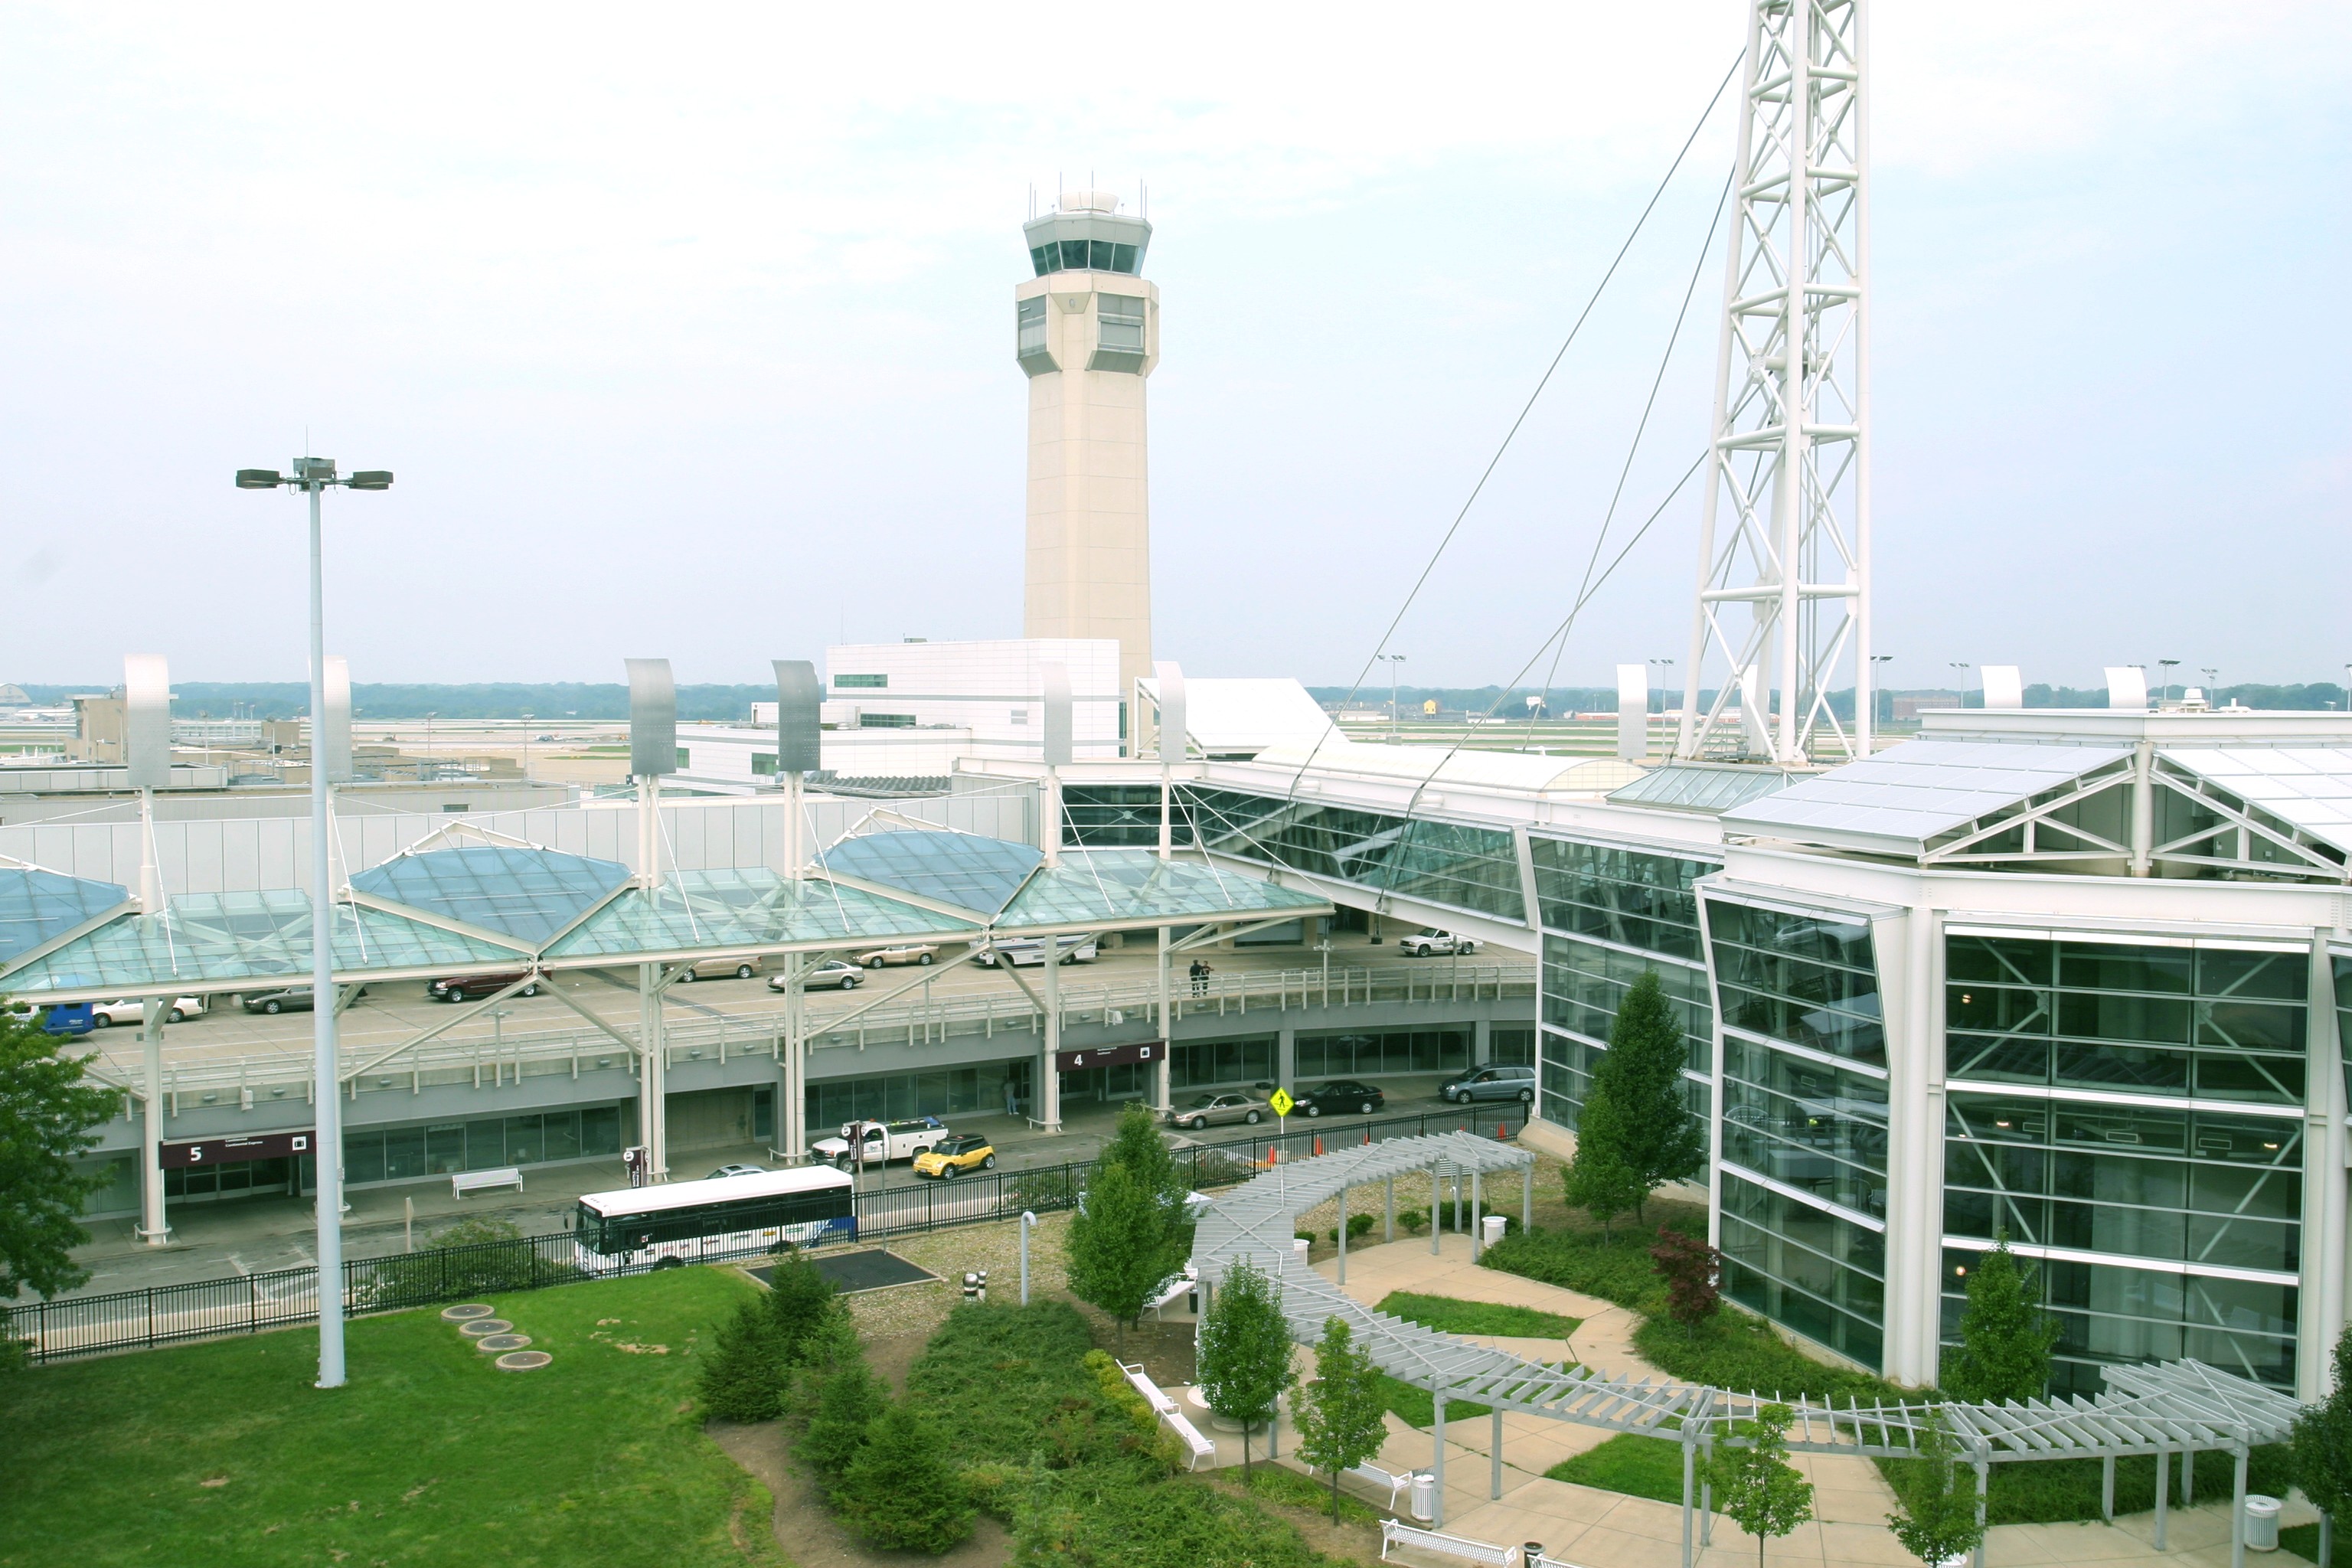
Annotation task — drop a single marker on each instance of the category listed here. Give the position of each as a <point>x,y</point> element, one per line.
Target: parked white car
<point>129,1012</point>
<point>1431,942</point>
<point>1024,951</point>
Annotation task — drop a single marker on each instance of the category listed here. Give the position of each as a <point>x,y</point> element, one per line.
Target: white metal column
<point>2321,1296</point>
<point>1908,958</point>
<point>652,1074</point>
<point>1787,466</point>
<point>154,1229</point>
<point>1049,1080</point>
<point>1162,1072</point>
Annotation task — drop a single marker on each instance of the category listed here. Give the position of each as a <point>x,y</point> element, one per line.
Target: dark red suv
<point>456,988</point>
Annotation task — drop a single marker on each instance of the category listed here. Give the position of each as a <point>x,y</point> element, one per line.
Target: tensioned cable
<point>1674,339</point>
<point>1528,407</point>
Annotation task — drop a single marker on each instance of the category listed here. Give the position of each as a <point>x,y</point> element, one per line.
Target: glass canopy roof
<point>528,894</point>
<point>958,869</point>
<point>238,936</point>
<point>1125,885</point>
<point>39,905</point>
<point>1900,799</point>
<point>1708,787</point>
<point>747,907</point>
<point>2308,786</point>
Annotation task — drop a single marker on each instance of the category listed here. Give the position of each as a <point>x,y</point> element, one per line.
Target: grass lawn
<point>1629,1463</point>
<point>224,1454</point>
<point>1275,1484</point>
<point>2302,1540</point>
<point>1415,1407</point>
<point>1450,1315</point>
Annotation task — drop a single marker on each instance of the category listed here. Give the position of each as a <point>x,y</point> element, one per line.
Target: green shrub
<point>1359,1226</point>
<point>1617,1270</point>
<point>899,1493</point>
<point>1628,1463</point>
<point>1116,1517</point>
<point>2303,1541</point>
<point>1302,1235</point>
<point>475,1256</point>
<point>1147,1436</point>
<point>801,1301</point>
<point>1413,1221</point>
<point>847,1401</point>
<point>1735,1351</point>
<point>996,1375</point>
<point>2057,1491</point>
<point>743,1379</point>
<point>1449,1315</point>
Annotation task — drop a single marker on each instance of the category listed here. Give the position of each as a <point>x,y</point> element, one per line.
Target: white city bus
<point>728,1217</point>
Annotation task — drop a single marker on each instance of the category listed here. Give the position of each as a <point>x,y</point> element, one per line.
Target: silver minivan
<point>1490,1083</point>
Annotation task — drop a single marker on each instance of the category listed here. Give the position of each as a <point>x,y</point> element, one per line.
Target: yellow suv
<point>953,1156</point>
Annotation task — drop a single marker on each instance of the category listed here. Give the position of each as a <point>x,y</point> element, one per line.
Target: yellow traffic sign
<point>1282,1102</point>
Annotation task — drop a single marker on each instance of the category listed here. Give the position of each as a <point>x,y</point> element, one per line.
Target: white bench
<point>1153,1395</point>
<point>1395,1534</point>
<point>1201,1447</point>
<point>1389,1481</point>
<point>463,1182</point>
<point>1175,1290</point>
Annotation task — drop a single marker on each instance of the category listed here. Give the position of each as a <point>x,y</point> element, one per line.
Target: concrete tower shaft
<point>1087,334</point>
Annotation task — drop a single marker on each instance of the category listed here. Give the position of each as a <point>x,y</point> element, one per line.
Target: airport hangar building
<point>2075,977</point>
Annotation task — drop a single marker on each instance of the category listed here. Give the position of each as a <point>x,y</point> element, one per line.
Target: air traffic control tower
<point>1087,334</point>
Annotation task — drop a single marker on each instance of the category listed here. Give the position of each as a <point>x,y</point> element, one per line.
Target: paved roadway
<point>391,1014</point>
<point>252,1235</point>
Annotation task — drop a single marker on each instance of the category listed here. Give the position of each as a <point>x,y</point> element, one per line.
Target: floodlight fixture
<point>370,479</point>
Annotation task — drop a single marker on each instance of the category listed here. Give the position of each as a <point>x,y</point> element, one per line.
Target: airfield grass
<point>224,1453</point>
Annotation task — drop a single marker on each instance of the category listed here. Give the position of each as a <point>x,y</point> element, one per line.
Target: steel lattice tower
<point>1786,526</point>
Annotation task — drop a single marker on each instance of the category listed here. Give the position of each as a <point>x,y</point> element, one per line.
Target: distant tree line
<point>499,699</point>
<point>1455,700</point>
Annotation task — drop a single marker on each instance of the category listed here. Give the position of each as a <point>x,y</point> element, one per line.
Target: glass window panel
<point>526,1141</point>
<point>2083,1065</point>
<point>2280,976</point>
<point>2102,966</point>
<point>445,1148</point>
<point>601,1130</point>
<point>559,1135</point>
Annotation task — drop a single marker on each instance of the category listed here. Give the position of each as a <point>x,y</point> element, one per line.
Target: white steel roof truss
<point>2031,815</point>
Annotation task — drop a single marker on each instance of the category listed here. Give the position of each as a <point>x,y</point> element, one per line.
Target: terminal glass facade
<point>1472,868</point>
<point>2130,1115</point>
<point>1121,816</point>
<point>484,1143</point>
<point>1609,913</point>
<point>1368,1054</point>
<point>1804,1123</point>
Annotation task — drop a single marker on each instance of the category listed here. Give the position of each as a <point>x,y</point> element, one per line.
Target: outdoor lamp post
<point>2165,691</point>
<point>1875,683</point>
<point>315,476</point>
<point>1666,673</point>
<point>1393,660</point>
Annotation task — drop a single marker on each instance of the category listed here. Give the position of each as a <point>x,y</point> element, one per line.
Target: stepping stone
<point>467,1313</point>
<point>475,1327</point>
<point>522,1361</point>
<point>498,1343</point>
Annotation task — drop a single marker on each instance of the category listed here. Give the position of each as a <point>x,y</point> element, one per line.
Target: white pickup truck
<point>1431,942</point>
<point>879,1143</point>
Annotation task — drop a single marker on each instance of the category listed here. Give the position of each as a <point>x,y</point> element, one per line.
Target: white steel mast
<point>1785,531</point>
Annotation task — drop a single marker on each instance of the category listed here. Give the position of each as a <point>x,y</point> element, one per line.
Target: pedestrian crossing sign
<point>1282,1102</point>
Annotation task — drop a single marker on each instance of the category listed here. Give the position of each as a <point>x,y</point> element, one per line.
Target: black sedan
<point>1340,1096</point>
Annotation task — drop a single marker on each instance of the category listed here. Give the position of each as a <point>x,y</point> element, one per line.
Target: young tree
<point>2005,1338</point>
<point>899,1493</point>
<point>1131,1234</point>
<point>1340,1414</point>
<point>1938,1521</point>
<point>1693,1276</point>
<point>1754,1486</point>
<point>1634,1120</point>
<point>1244,1362</point>
<point>743,1379</point>
<point>46,1115</point>
<point>2323,1449</point>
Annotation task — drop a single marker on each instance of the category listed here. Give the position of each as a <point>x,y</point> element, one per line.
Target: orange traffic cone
<point>1500,1135</point>
<point>1368,1137</point>
<point>1319,1144</point>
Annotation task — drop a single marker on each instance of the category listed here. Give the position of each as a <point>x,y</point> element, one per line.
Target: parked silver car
<point>1210,1110</point>
<point>1490,1083</point>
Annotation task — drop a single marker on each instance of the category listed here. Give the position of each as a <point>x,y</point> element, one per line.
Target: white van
<point>1026,951</point>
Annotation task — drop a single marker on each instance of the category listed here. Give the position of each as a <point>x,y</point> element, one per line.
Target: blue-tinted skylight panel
<point>527,894</point>
<point>41,906</point>
<point>958,869</point>
<point>747,907</point>
<point>1092,885</point>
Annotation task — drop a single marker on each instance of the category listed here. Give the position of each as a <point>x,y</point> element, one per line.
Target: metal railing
<point>495,1057</point>
<point>249,1303</point>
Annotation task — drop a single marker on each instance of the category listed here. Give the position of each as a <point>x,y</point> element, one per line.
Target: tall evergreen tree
<point>48,1116</point>
<point>1340,1414</point>
<point>799,1300</point>
<point>1754,1486</point>
<point>2323,1449</point>
<point>1244,1362</point>
<point>1131,1235</point>
<point>2005,1337</point>
<point>1635,1130</point>
<point>742,1378</point>
<point>848,1398</point>
<point>1938,1521</point>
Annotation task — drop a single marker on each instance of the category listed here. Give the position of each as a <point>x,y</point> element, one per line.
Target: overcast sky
<point>687,330</point>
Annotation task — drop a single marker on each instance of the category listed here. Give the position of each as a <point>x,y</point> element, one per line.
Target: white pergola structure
<point>1785,530</point>
<point>2174,1408</point>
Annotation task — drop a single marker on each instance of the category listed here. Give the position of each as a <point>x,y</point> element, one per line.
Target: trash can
<point>1299,1244</point>
<point>1424,1496</point>
<point>2262,1523</point>
<point>1491,1228</point>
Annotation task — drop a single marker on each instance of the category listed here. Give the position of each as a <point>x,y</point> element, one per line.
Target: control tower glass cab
<point>1088,235</point>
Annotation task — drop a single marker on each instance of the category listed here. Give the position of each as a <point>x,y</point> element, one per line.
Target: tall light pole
<point>1666,673</point>
<point>315,476</point>
<point>2165,691</point>
<point>526,748</point>
<point>1881,658</point>
<point>1394,659</point>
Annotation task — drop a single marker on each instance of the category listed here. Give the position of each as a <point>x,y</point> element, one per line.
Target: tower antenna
<point>1789,465</point>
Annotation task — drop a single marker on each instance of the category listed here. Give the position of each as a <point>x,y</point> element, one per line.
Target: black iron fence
<point>211,1309</point>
